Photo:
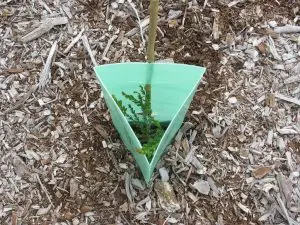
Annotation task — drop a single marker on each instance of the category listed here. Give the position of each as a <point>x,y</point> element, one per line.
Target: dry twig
<point>46,73</point>
<point>45,26</point>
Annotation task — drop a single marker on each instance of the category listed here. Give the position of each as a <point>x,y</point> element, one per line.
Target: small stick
<point>46,73</point>
<point>75,40</point>
<point>88,48</point>
<point>139,21</point>
<point>184,16</point>
<point>233,3</point>
<point>46,25</point>
<point>110,41</point>
<point>144,23</point>
<point>44,189</point>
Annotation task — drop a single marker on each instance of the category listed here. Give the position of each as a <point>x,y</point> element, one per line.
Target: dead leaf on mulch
<point>14,218</point>
<point>69,216</point>
<point>101,131</point>
<point>15,70</point>
<point>263,48</point>
<point>85,209</point>
<point>261,172</point>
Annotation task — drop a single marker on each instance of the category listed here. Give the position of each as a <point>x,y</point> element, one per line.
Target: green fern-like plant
<point>148,130</point>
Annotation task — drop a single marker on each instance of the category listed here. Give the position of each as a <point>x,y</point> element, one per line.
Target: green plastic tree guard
<point>173,88</point>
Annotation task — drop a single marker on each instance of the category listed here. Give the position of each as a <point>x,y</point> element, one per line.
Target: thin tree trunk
<point>151,44</point>
<point>152,30</point>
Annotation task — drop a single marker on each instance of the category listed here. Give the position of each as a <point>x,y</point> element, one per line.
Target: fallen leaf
<point>261,172</point>
<point>262,47</point>
<point>69,216</point>
<point>14,218</point>
<point>15,70</point>
<point>85,209</point>
<point>101,131</point>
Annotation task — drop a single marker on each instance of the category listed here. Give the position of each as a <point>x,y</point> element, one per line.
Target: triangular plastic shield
<point>173,87</point>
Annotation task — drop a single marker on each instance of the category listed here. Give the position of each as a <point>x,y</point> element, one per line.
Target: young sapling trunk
<point>151,42</point>
<point>148,130</point>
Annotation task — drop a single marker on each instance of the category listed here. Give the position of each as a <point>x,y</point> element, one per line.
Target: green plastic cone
<point>173,88</point>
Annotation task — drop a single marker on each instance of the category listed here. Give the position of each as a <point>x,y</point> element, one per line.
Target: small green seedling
<point>149,131</point>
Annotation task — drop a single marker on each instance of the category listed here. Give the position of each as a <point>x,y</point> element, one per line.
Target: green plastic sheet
<point>173,87</point>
